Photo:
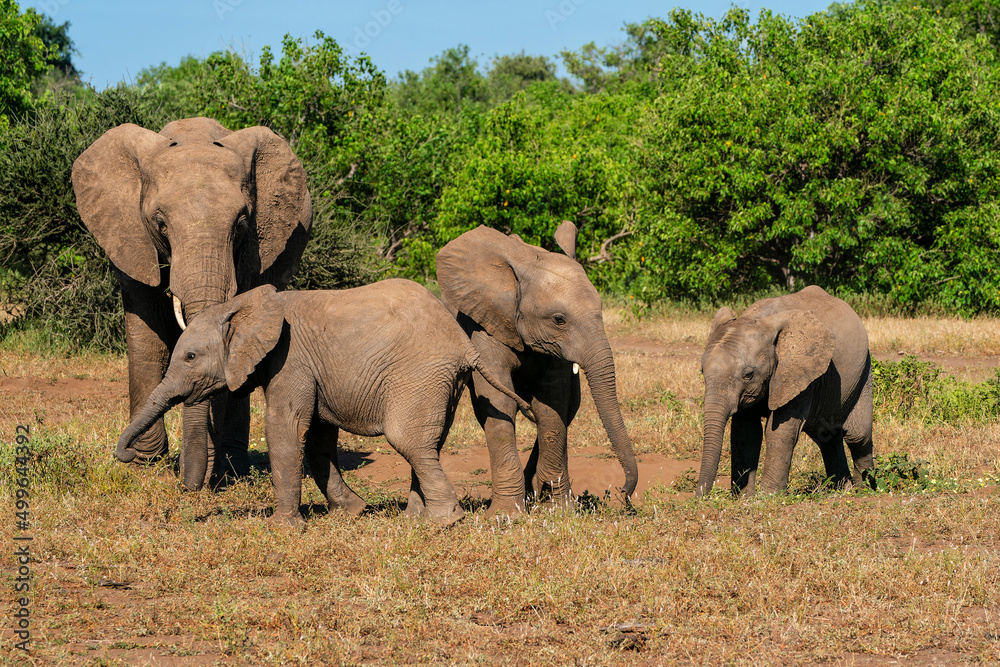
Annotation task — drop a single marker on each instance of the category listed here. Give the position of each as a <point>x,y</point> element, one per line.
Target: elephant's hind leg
<point>419,442</point>
<point>321,451</point>
<point>858,435</point>
<point>830,438</point>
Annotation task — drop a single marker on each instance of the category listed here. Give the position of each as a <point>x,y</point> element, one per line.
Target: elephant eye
<point>559,319</point>
<point>161,224</point>
<point>190,356</point>
<point>748,374</point>
<point>241,229</point>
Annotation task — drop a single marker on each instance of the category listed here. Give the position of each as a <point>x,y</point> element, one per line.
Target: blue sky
<point>118,38</point>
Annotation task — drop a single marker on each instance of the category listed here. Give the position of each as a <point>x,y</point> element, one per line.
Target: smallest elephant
<point>384,359</point>
<point>801,362</point>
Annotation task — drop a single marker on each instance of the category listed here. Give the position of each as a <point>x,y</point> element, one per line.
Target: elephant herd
<point>205,227</point>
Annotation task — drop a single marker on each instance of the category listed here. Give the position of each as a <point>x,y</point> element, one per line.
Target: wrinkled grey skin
<point>801,362</point>
<point>532,314</point>
<point>384,359</point>
<point>207,213</point>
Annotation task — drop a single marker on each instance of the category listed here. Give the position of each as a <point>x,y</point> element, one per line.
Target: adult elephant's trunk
<point>159,402</point>
<point>599,366</point>
<point>201,281</point>
<point>717,413</point>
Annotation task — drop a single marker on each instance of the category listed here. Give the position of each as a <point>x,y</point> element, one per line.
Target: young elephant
<point>387,358</point>
<point>801,362</point>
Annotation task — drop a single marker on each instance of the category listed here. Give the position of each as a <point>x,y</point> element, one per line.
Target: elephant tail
<point>475,363</point>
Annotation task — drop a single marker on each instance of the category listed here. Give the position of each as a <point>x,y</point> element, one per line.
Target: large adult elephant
<point>190,217</point>
<point>534,317</point>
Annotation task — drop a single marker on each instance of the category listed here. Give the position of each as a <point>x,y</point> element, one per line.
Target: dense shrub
<point>51,268</point>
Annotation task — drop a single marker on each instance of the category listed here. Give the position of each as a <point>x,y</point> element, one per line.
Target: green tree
<point>23,59</point>
<point>856,150</point>
<point>450,85</point>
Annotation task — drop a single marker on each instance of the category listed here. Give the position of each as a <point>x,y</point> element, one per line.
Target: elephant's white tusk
<point>576,369</point>
<point>179,313</point>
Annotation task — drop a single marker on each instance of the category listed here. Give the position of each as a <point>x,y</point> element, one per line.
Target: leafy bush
<point>897,471</point>
<point>917,390</point>
<point>51,268</point>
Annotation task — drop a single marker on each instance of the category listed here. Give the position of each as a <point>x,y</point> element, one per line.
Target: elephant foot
<point>414,505</point>
<point>353,505</point>
<point>504,507</point>
<point>445,514</point>
<point>286,519</point>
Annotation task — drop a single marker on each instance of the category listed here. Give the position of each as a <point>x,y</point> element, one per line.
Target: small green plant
<point>686,482</point>
<point>897,470</point>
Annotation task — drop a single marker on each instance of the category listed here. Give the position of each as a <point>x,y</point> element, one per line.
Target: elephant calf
<point>801,362</point>
<point>384,359</point>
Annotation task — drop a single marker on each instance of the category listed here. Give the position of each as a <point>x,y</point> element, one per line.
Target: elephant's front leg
<point>784,426</point>
<point>234,438</point>
<point>495,413</point>
<point>150,333</point>
<point>745,439</point>
<point>552,391</point>
<point>321,450</point>
<point>286,430</point>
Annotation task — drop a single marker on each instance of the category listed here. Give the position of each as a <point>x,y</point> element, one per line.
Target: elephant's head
<point>531,299</point>
<point>219,207</point>
<point>772,357</point>
<point>218,351</point>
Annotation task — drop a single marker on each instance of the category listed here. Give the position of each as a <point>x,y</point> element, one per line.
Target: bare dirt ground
<point>96,606</point>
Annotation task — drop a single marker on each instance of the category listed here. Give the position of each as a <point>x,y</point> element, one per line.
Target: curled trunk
<point>157,405</point>
<point>599,367</point>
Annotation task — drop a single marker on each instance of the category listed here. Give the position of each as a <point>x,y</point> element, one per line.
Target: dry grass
<point>800,578</point>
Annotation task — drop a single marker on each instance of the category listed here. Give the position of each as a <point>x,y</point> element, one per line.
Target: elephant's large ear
<point>804,349</point>
<point>107,179</point>
<point>477,278</point>
<point>255,320</point>
<point>722,316</point>
<point>282,208</point>
<point>566,238</point>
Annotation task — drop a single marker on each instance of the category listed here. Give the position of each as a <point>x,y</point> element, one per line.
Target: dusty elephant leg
<point>431,493</point>
<point>551,483</point>
<point>286,433</point>
<point>321,451</point>
<point>745,440</point>
<point>781,434</point>
<point>234,441</point>
<point>495,414</point>
<point>830,438</point>
<point>149,335</point>
<point>858,435</point>
<point>418,433</point>
<point>200,443</point>
<point>415,499</point>
<point>508,488</point>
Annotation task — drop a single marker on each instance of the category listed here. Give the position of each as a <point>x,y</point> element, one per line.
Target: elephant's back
<point>375,346</point>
